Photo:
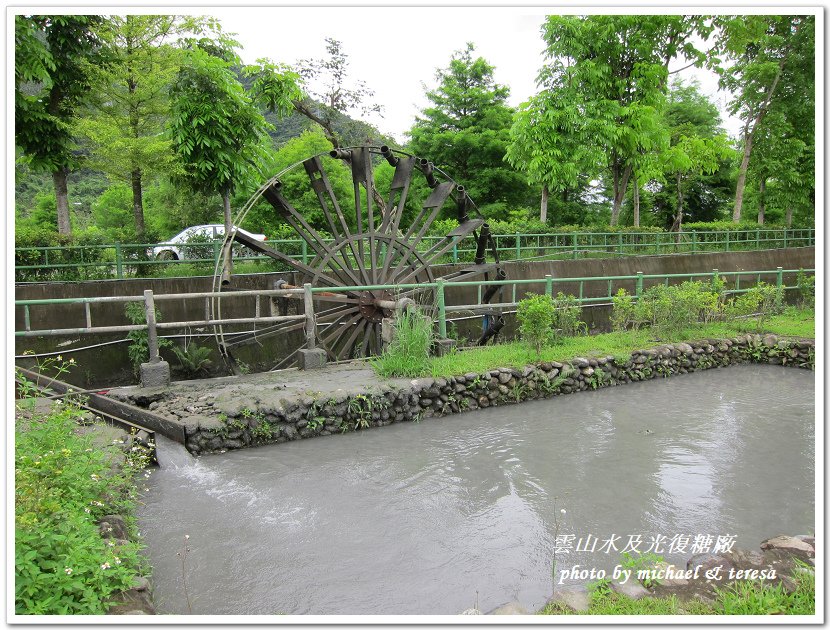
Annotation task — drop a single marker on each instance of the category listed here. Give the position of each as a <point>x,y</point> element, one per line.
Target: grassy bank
<point>793,322</point>
<point>740,598</point>
<point>64,483</point>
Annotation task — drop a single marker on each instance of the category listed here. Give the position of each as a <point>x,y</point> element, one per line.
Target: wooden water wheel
<point>369,245</point>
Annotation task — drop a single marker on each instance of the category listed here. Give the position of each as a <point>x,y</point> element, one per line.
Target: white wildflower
<point>67,570</point>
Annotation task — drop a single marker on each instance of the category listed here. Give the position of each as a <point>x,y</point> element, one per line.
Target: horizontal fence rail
<point>117,261</point>
<point>573,286</point>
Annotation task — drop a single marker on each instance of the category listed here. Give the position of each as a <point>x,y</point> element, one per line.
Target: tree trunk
<point>789,215</point>
<point>749,135</point>
<point>226,206</point>
<point>739,188</point>
<point>678,219</point>
<point>636,202</point>
<point>762,202</point>
<point>543,212</point>
<point>138,203</point>
<point>62,198</point>
<point>620,186</point>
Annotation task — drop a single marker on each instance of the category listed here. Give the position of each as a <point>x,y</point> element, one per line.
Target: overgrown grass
<point>63,486</point>
<point>793,322</point>
<point>408,354</point>
<point>740,598</point>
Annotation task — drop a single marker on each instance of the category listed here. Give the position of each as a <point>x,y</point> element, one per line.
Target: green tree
<point>698,145</point>
<point>608,73</point>
<point>124,127</point>
<point>466,131</point>
<point>52,54</point>
<point>759,58</point>
<point>217,130</point>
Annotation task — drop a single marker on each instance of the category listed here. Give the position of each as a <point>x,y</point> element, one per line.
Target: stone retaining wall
<point>222,425</point>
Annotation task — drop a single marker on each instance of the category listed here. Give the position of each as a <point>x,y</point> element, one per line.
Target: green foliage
<point>536,315</point>
<point>362,408</point>
<point>408,354</point>
<point>566,322</point>
<point>667,309</point>
<point>642,561</point>
<point>760,302</point>
<point>139,349</point>
<point>217,132</point>
<point>465,130</point>
<point>63,485</point>
<point>806,289</point>
<point>193,358</point>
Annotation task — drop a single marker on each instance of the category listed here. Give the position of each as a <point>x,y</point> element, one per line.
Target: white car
<point>191,242</point>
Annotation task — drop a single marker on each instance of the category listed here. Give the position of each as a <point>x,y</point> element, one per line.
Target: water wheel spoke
<point>275,197</point>
<point>434,202</point>
<point>325,195</point>
<point>331,340</point>
<point>442,247</point>
<point>246,338</point>
<point>262,248</point>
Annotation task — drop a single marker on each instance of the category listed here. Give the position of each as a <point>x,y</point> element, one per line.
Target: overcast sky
<point>396,50</point>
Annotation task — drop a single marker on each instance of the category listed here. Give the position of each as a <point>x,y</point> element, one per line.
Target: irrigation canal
<point>427,518</point>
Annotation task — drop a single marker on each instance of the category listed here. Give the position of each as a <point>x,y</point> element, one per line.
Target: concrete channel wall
<point>109,365</point>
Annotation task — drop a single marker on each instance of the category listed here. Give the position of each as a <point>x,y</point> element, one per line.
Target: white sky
<point>396,50</point>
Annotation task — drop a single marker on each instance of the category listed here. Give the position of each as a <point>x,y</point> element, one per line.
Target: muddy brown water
<point>431,518</point>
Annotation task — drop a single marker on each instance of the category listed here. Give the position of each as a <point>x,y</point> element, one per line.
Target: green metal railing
<point>635,283</point>
<point>95,262</point>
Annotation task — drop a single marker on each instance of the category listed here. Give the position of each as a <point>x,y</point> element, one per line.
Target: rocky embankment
<point>219,418</point>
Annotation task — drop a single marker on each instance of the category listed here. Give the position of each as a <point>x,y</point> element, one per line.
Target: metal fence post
<point>575,241</point>
<point>639,289</point>
<point>727,240</point>
<point>620,243</point>
<point>442,311</point>
<point>310,324</point>
<point>694,241</point>
<point>714,278</point>
<point>549,285</point>
<point>518,246</point>
<point>785,238</point>
<point>779,277</point>
<point>119,262</point>
<point>152,333</point>
<point>758,239</point>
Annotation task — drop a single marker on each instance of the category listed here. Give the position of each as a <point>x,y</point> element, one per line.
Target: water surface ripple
<point>425,518</point>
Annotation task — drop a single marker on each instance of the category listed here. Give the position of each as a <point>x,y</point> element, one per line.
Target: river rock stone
<point>510,608</point>
<point>630,589</point>
<point>575,597</point>
<point>789,543</point>
<point>113,526</point>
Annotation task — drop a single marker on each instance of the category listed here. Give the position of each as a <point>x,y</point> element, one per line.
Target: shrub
<point>667,309</point>
<point>408,354</point>
<point>536,315</point>
<point>759,302</point>
<point>566,322</point>
<point>62,565</point>
<point>806,289</point>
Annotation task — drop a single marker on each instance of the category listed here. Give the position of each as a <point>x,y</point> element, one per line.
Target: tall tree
<point>613,70</point>
<point>466,130</point>
<point>542,148</point>
<point>52,53</point>
<point>698,145</point>
<point>125,124</point>
<point>757,56</point>
<point>216,128</point>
